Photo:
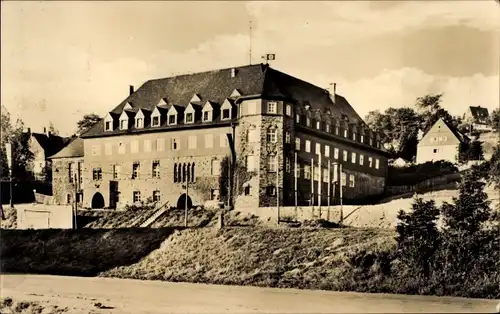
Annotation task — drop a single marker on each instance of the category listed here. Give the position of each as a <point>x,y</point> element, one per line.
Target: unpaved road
<point>133,296</point>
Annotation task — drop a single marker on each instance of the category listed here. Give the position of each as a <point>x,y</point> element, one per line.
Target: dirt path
<point>132,296</point>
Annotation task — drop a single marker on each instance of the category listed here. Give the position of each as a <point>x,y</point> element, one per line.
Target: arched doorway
<point>97,201</point>
<point>181,202</point>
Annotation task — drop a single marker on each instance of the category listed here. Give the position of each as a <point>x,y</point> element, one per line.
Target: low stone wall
<point>291,213</point>
<point>43,199</point>
<point>450,181</point>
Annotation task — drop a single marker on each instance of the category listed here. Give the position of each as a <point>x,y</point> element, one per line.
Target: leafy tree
<point>470,151</point>
<point>495,119</point>
<point>398,129</point>
<point>87,122</point>
<point>430,111</point>
<point>418,237</point>
<point>493,167</point>
<point>52,129</point>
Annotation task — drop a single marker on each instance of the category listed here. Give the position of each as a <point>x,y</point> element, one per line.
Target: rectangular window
<point>96,174</point>
<point>316,173</point>
<point>189,118</point>
<point>289,110</point>
<point>271,190</point>
<point>96,150</point>
<point>362,138</point>
<point>336,153</point>
<point>308,146</point>
<point>317,150</point>
<point>307,172</point>
<point>137,196</point>
<point>344,155</point>
<point>135,170</point>
<point>272,107</point>
<point>336,130</point>
<point>160,144</point>
<point>226,114</point>
<point>327,151</point>
<point>297,118</point>
<point>156,121</point>
<point>344,179</point>
<point>272,165</point>
<point>351,180</point>
<point>172,119</point>
<point>361,159</point>
<point>192,139</point>
<point>223,140</point>
<point>353,158</point>
<point>248,190</point>
<point>318,125</point>
<point>335,173</point>
<point>156,169</point>
<point>123,124</point>
<point>287,137</point>
<point>272,136</point>
<point>345,133</point>
<point>327,128</point>
<point>175,144</point>
<point>156,196</point>
<point>325,175</point>
<point>134,146</point>
<point>209,140</point>
<point>297,143</point>
<point>108,125</point>
<point>147,146</point>
<point>122,148</point>
<point>215,171</point>
<point>308,121</point>
<point>371,141</point>
<point>70,172</point>
<point>108,149</point>
<point>353,136</point>
<point>206,116</point>
<point>370,162</point>
<point>251,164</point>
<point>139,123</point>
<point>377,163</point>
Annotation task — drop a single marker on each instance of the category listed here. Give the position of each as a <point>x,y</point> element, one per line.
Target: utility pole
<point>341,194</point>
<point>320,170</point>
<point>295,185</point>
<point>328,193</point>
<point>8,148</point>
<point>278,187</point>
<point>312,183</point>
<point>75,212</point>
<point>186,204</point>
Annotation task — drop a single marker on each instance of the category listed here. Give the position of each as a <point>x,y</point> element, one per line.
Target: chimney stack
<point>44,130</point>
<point>29,130</point>
<point>131,89</point>
<point>333,91</point>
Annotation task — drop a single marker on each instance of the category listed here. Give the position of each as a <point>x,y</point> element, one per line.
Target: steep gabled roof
<point>216,86</point>
<point>72,150</point>
<point>479,113</point>
<point>459,135</point>
<point>51,144</point>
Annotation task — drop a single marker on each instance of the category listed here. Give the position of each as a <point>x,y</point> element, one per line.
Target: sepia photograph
<point>250,157</point>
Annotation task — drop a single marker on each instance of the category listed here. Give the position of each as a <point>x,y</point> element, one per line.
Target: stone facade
<point>64,186</point>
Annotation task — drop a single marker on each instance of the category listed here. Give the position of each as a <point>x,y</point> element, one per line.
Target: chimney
<point>233,72</point>
<point>29,130</point>
<point>44,130</point>
<point>131,89</point>
<point>333,91</point>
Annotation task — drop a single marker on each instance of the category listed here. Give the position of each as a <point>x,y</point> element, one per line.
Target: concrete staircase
<point>160,211</point>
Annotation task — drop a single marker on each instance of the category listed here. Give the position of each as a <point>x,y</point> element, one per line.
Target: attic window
<point>318,125</point>
<point>226,114</point>
<point>108,126</point>
<point>139,123</point>
<point>272,107</point>
<point>123,124</point>
<point>156,121</point>
<point>189,117</point>
<point>172,119</point>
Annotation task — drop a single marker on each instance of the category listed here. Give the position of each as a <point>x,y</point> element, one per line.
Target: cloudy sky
<point>61,60</point>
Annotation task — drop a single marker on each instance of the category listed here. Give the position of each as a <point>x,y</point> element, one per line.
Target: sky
<point>63,59</point>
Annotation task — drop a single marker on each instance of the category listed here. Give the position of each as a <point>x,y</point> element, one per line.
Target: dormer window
<point>206,116</point>
<point>288,110</point>
<point>328,127</point>
<point>318,125</point>
<point>308,121</point>
<point>189,117</point>
<point>124,120</point>
<point>272,107</point>
<point>155,121</point>
<point>207,112</point>
<point>139,123</point>
<point>108,122</point>
<point>195,98</point>
<point>156,117</point>
<point>172,119</point>
<point>108,126</point>
<point>123,124</point>
<point>226,110</point>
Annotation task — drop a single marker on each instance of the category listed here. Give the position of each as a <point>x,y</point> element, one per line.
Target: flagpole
<point>295,184</point>
<point>312,183</point>
<point>341,194</point>
<point>329,187</point>
<point>319,183</point>
<point>278,187</point>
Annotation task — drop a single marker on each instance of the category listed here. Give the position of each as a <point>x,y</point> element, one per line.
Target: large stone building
<point>441,142</point>
<point>67,180</point>
<point>173,131</point>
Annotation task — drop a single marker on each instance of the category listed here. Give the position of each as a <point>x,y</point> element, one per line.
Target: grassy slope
<point>85,252</point>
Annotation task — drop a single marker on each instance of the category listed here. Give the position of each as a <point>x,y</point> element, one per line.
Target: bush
<point>414,174</point>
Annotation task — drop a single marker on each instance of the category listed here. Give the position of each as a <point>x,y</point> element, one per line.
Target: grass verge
<point>84,252</point>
